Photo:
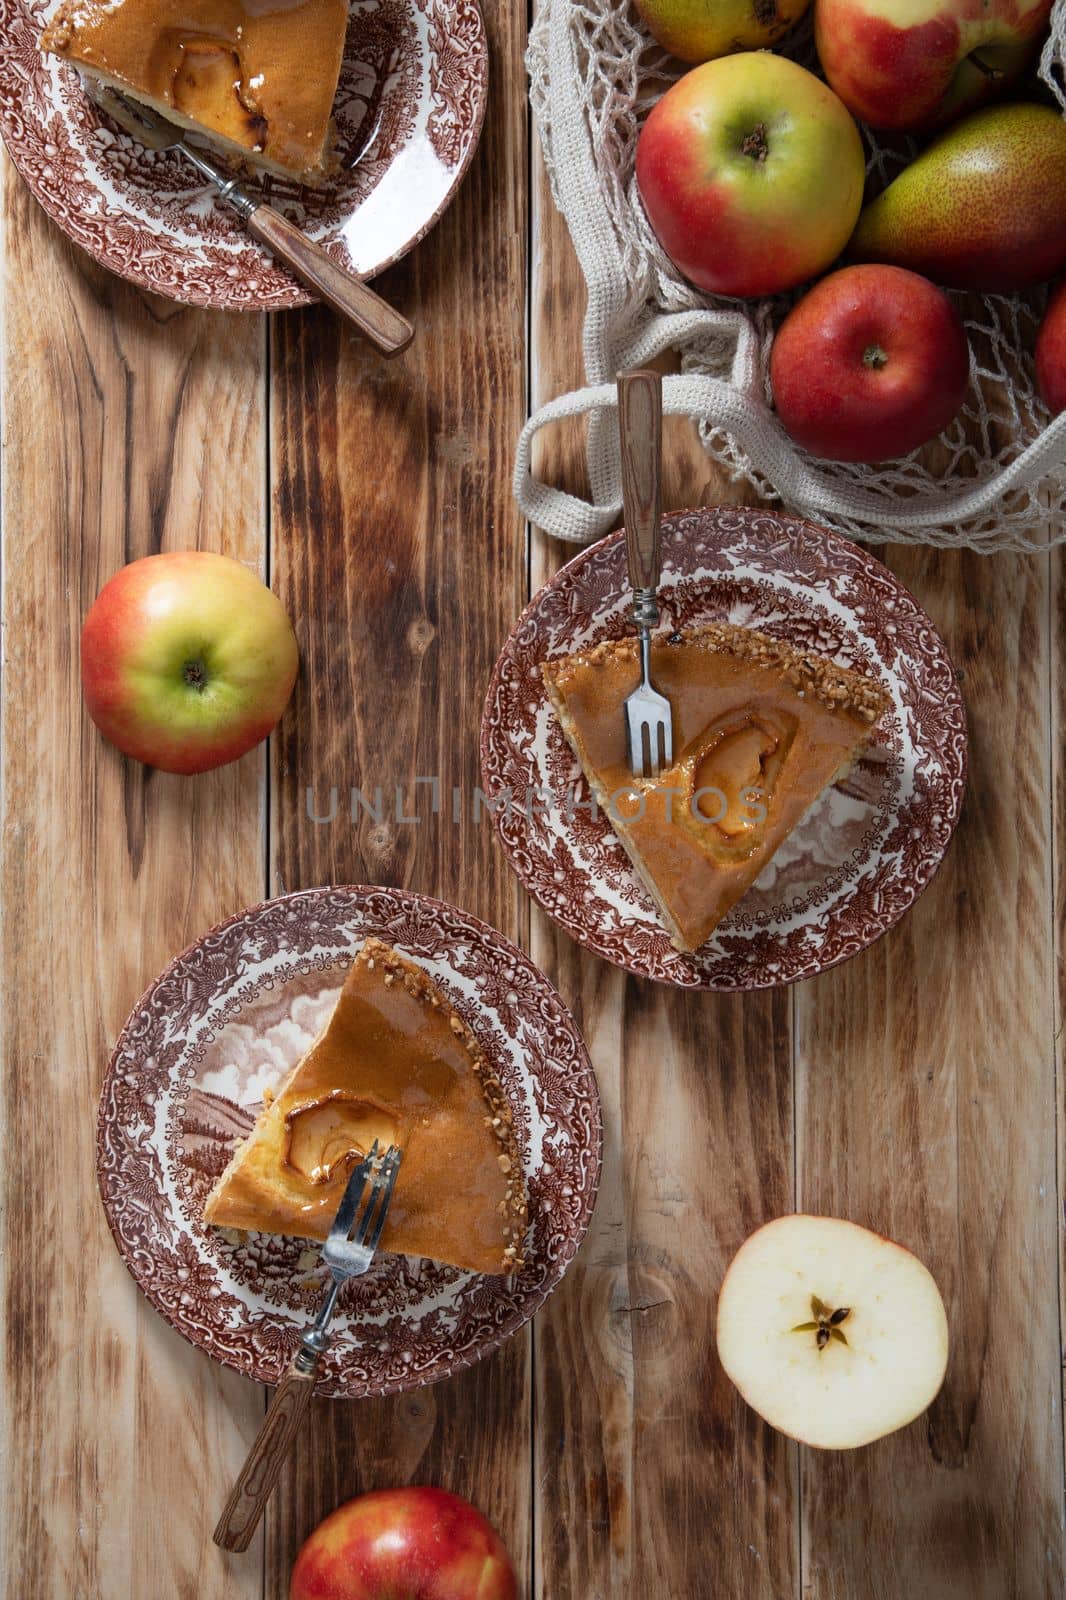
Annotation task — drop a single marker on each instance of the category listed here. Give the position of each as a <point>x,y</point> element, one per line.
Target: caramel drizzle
<point>323,1172</point>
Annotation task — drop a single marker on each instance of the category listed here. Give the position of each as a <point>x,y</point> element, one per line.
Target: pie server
<point>307,261</point>
<point>348,1253</point>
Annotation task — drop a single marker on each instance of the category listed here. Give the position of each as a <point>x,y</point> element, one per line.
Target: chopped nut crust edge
<point>838,688</point>
<point>499,1118</point>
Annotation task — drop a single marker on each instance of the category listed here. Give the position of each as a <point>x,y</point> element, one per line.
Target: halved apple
<point>833,1334</point>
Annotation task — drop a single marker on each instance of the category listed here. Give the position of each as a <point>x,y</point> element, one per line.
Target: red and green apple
<point>751,173</point>
<point>187,660</point>
<point>914,64</point>
<point>404,1544</point>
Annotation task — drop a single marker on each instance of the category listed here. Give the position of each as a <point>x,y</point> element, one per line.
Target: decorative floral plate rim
<point>195,1276</point>
<point>147,217</point>
<point>786,575</point>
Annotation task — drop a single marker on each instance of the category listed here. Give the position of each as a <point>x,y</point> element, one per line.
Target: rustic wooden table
<point>916,1089</point>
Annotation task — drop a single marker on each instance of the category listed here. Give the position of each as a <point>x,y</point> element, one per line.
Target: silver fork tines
<point>649,721</point>
<point>348,1252</point>
<point>353,1239</point>
<point>649,724</point>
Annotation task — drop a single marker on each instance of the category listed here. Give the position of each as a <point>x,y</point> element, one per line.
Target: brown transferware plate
<point>865,850</point>
<point>408,116</point>
<point>228,1019</point>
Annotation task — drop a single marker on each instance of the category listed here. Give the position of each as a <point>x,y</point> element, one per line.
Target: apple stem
<point>755,144</point>
<point>875,357</point>
<point>983,66</point>
<point>195,675</point>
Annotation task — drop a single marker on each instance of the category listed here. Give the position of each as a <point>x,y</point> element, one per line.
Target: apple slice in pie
<point>760,731</point>
<point>396,1063</point>
<point>257,80</point>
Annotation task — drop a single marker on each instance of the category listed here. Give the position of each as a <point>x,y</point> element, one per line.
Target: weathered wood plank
<point>926,1101</point>
<point>651,1477</point>
<point>129,425</point>
<point>400,553</point>
<point>1057,732</point>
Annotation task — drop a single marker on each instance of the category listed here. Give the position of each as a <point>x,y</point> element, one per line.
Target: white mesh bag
<point>995,481</point>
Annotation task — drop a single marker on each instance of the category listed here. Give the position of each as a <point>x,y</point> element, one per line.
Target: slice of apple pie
<point>761,729</point>
<point>257,80</point>
<point>395,1063</point>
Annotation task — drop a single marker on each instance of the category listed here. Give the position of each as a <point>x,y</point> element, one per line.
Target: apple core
<point>755,144</point>
<point>826,1324</point>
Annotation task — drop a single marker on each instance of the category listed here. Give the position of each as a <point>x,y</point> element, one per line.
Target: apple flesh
<point>869,365</point>
<point>404,1544</point>
<point>833,1334</point>
<point>1051,353</point>
<point>187,660</point>
<point>907,65</point>
<point>751,173</point>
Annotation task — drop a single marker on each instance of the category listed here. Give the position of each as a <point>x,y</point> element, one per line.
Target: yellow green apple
<point>751,172</point>
<point>700,30</point>
<point>187,660</point>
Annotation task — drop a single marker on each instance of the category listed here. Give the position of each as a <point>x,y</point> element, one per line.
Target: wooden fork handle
<point>640,423</point>
<point>350,296</point>
<point>255,1484</point>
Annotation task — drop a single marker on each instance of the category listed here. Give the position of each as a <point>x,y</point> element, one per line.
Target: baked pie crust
<point>761,729</point>
<point>258,81</point>
<point>396,1063</point>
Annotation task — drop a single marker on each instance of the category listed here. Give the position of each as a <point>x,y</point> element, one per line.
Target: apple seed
<point>826,1325</point>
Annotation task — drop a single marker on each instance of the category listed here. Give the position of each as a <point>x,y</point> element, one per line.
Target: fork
<point>348,295</point>
<point>649,725</point>
<point>347,1252</point>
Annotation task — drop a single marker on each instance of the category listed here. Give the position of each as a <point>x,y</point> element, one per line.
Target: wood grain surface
<point>917,1089</point>
<point>129,426</point>
<point>913,1090</point>
<point>398,549</point>
<point>652,1477</point>
<point>926,1108</point>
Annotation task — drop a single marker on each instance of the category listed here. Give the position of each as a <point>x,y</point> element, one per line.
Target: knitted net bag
<point>995,481</point>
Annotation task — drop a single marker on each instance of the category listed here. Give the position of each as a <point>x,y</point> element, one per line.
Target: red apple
<point>869,365</point>
<point>1051,352</point>
<point>751,172</point>
<point>404,1544</point>
<point>187,660</point>
<point>911,64</point>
